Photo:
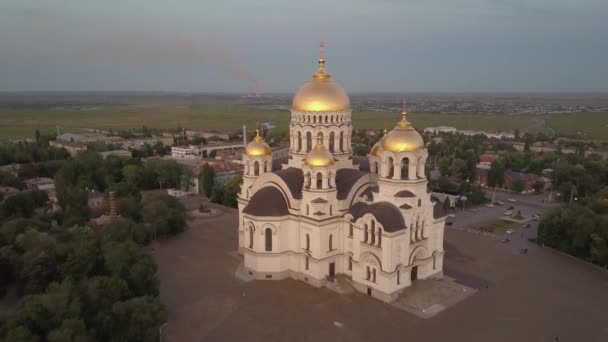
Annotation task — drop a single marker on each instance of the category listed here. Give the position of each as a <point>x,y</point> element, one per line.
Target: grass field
<point>226,117</point>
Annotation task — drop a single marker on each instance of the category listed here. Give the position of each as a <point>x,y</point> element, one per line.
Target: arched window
<point>306,265</point>
<point>332,136</point>
<point>398,277</point>
<point>326,119</point>
<point>251,229</point>
<point>331,242</point>
<point>268,236</point>
<point>266,166</point>
<point>376,168</point>
<point>368,273</point>
<point>308,141</point>
<point>307,242</point>
<point>341,141</point>
<point>373,232</point>
<point>350,229</point>
<point>419,202</point>
<point>379,236</point>
<point>405,168</point>
<point>391,168</point>
<point>374,275</point>
<point>307,210</point>
<point>299,142</point>
<point>256,168</point>
<point>350,263</point>
<point>314,119</point>
<point>365,233</point>
<point>307,179</point>
<point>319,180</point>
<point>331,211</point>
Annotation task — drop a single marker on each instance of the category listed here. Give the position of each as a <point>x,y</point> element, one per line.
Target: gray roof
<point>294,178</point>
<point>405,194</point>
<point>386,213</point>
<point>438,211</point>
<point>345,179</point>
<point>267,201</point>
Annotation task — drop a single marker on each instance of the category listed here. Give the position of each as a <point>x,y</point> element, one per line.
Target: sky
<point>395,46</point>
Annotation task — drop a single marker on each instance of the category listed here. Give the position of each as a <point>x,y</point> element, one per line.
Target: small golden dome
<point>403,137</point>
<point>321,94</point>
<point>377,148</point>
<point>319,156</point>
<point>257,147</point>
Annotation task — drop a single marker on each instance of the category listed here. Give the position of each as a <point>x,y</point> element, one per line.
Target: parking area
<point>533,297</point>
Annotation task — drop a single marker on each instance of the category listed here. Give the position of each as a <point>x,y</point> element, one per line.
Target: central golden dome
<point>319,156</point>
<point>321,93</point>
<point>403,137</point>
<point>257,147</point>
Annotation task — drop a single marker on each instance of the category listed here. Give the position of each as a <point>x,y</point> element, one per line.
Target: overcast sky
<point>371,45</point>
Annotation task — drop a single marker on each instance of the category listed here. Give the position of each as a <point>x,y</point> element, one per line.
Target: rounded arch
<point>419,253</point>
<point>271,179</point>
<point>369,258</point>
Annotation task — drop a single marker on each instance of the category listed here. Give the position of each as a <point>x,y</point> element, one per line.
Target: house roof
<point>268,201</point>
<point>345,179</point>
<point>387,214</point>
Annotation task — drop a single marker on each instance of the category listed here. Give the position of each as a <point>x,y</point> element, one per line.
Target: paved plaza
<point>534,297</point>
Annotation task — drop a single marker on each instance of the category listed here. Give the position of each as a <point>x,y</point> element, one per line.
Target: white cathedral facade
<point>324,214</point>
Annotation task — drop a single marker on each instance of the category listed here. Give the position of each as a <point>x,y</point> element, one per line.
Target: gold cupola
<point>258,147</point>
<point>377,148</point>
<point>319,156</point>
<point>321,93</point>
<point>403,137</point>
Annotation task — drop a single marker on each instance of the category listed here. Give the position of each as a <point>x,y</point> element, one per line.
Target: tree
<point>138,319</point>
<point>518,185</point>
<point>538,186</point>
<point>496,174</point>
<point>207,179</point>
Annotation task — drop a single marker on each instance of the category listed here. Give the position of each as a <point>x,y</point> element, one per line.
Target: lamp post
<point>160,331</point>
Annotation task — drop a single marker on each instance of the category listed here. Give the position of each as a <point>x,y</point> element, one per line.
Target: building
<point>73,148</point>
<point>490,135</point>
<point>320,215</point>
<point>40,183</point>
<point>116,153</point>
<point>95,200</point>
<point>185,152</point>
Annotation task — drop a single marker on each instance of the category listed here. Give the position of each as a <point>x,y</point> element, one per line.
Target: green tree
<point>518,185</point>
<point>207,179</point>
<point>496,174</point>
<point>138,319</point>
<point>538,186</point>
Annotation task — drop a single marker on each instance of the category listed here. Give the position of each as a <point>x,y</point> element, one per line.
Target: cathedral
<point>323,216</point>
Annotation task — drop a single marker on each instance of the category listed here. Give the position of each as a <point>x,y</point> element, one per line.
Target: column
<point>337,142</point>
<point>397,169</point>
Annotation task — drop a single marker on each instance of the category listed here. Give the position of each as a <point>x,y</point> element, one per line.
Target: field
<point>20,123</point>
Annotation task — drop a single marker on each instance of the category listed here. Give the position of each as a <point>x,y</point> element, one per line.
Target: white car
<point>451,215</point>
<point>512,200</point>
<point>508,213</point>
<point>509,231</point>
<point>490,205</point>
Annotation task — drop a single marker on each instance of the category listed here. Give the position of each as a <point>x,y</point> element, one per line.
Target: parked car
<point>512,200</point>
<point>505,240</point>
<point>508,213</point>
<point>523,251</point>
<point>473,210</point>
<point>449,223</point>
<point>511,207</point>
<point>499,203</point>
<point>451,215</point>
<point>527,225</point>
<point>509,231</point>
<point>535,218</point>
<point>490,205</point>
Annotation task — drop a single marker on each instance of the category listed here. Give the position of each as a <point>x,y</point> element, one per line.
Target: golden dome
<point>403,137</point>
<point>319,156</point>
<point>257,147</point>
<point>321,93</point>
<point>377,148</point>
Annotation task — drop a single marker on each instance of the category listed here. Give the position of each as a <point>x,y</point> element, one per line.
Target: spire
<point>257,138</point>
<point>404,123</point>
<point>321,74</point>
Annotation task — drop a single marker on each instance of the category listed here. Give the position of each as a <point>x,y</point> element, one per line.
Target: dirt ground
<point>533,297</point>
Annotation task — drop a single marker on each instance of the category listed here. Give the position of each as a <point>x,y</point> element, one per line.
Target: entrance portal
<point>332,269</point>
<point>414,273</point>
<point>369,291</point>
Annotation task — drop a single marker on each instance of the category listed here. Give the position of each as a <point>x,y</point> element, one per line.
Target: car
<point>511,207</point>
<point>508,213</point>
<point>490,205</point>
<point>451,215</point>
<point>523,251</point>
<point>536,215</point>
<point>473,210</point>
<point>505,240</point>
<point>499,203</point>
<point>449,223</point>
<point>509,231</point>
<point>512,200</point>
<point>527,225</point>
<point>535,218</point>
